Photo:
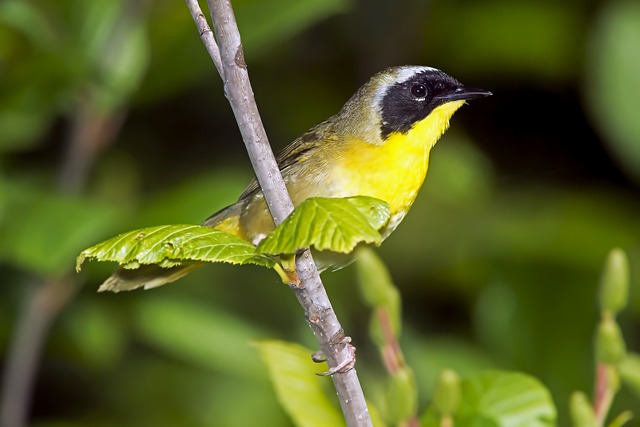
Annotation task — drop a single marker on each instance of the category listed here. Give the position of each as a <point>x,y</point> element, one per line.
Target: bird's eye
<point>419,90</point>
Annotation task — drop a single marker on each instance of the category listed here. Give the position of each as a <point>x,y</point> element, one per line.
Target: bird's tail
<point>147,276</point>
<point>152,276</point>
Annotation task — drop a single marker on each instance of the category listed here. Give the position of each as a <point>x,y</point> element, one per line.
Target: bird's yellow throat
<point>398,167</point>
<point>425,133</point>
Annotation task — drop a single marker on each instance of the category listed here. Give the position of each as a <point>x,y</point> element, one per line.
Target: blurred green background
<point>112,117</point>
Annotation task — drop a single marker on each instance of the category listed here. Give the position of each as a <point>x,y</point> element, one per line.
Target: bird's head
<point>397,99</point>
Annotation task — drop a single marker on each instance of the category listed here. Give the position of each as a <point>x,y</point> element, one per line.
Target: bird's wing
<point>295,152</point>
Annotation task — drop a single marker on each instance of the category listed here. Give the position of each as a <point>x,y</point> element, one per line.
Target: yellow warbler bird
<point>378,145</point>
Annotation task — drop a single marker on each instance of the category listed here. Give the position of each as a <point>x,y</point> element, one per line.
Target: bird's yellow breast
<point>395,170</point>
<point>392,170</point>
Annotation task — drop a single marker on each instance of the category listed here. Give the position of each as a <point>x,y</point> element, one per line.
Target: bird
<point>377,145</point>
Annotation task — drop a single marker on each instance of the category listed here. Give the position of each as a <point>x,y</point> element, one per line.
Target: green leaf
<point>431,418</point>
<point>333,224</point>
<point>491,34</point>
<point>630,372</point>
<point>263,23</point>
<point>614,283</point>
<point>582,413</point>
<point>621,419</point>
<point>170,245</point>
<point>612,77</point>
<point>299,390</point>
<point>376,417</point>
<point>199,334</point>
<point>505,399</point>
<point>376,284</point>
<point>446,394</point>
<point>115,46</point>
<point>183,201</point>
<point>609,342</point>
<point>96,334</point>
<point>23,17</point>
<point>402,396</point>
<point>42,232</point>
<point>379,292</point>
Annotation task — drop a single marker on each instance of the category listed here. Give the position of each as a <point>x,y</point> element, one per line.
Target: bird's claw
<point>288,275</point>
<point>319,357</point>
<point>344,366</point>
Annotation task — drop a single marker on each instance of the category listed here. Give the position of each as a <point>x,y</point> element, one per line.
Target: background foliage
<point>112,118</point>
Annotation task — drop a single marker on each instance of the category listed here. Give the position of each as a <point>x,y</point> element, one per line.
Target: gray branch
<point>311,293</point>
<point>206,35</point>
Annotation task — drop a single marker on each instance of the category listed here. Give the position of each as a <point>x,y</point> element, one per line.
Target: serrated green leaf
<point>333,224</point>
<point>506,399</point>
<point>169,245</point>
<point>299,390</point>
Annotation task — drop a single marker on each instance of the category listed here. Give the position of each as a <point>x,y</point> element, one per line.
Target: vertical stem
<point>206,35</point>
<point>310,293</point>
<point>603,395</point>
<point>41,308</point>
<point>89,132</point>
<point>328,331</point>
<point>392,355</point>
<point>237,89</point>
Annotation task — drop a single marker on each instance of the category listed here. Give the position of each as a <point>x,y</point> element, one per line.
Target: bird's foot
<point>287,271</point>
<point>338,345</point>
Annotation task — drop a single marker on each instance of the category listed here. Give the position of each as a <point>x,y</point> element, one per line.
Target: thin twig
<point>41,309</point>
<point>206,35</point>
<point>603,394</point>
<point>238,91</point>
<point>311,293</point>
<point>91,130</point>
<point>393,357</point>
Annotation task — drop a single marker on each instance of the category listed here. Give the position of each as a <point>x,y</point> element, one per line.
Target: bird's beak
<point>464,93</point>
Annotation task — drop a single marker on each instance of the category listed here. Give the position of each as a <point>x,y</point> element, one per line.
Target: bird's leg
<point>345,366</point>
<point>286,269</point>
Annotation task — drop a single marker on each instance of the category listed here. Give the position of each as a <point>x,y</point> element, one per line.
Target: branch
<point>42,307</point>
<point>90,131</point>
<point>310,293</point>
<point>603,394</point>
<point>206,34</point>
